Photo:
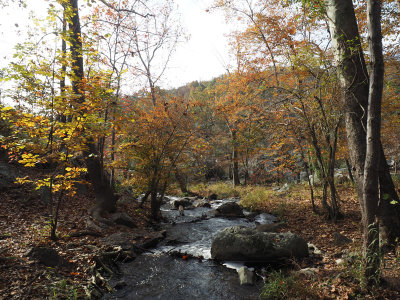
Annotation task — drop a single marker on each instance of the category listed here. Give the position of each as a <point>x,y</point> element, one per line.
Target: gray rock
<point>284,188</point>
<point>229,209</point>
<point>213,197</point>
<point>240,243</point>
<point>120,284</point>
<point>185,202</point>
<point>122,239</point>
<point>314,250</point>
<point>7,175</point>
<point>308,272</point>
<point>341,178</point>
<point>340,240</point>
<point>46,256</point>
<point>303,176</point>
<point>340,261</point>
<point>121,218</point>
<point>246,276</point>
<point>349,256</point>
<point>202,203</point>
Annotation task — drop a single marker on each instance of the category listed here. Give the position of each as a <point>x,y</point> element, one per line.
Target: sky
<point>203,57</point>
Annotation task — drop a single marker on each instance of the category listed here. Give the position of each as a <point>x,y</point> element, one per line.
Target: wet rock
<point>213,197</point>
<point>229,209</point>
<point>153,240</point>
<point>240,243</point>
<point>185,202</point>
<point>120,284</point>
<point>166,199</point>
<point>274,227</point>
<point>201,203</point>
<point>122,239</point>
<point>122,218</point>
<point>246,276</point>
<point>181,211</point>
<point>46,256</point>
<point>340,239</point>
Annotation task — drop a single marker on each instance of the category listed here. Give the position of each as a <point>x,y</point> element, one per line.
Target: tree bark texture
<point>105,196</point>
<point>355,82</point>
<point>371,172</point>
<point>235,161</point>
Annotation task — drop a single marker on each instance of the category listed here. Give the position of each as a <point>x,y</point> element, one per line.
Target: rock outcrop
<point>240,243</point>
<point>229,209</point>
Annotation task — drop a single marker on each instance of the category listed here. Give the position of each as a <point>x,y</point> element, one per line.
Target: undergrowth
<point>286,286</point>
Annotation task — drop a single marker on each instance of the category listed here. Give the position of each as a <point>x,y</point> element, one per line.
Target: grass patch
<point>222,189</point>
<point>253,198</point>
<point>286,286</point>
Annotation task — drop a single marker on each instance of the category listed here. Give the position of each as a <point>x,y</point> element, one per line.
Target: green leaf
<point>394,202</point>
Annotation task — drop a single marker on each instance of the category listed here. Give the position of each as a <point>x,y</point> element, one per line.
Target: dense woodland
<point>311,100</point>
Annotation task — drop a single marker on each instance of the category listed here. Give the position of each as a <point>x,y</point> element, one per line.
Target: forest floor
<point>24,224</point>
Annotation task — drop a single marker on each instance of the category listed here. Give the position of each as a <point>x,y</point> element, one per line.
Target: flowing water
<point>161,274</point>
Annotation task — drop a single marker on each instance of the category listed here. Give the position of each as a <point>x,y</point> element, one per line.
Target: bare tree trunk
<point>349,170</point>
<point>355,82</point>
<point>105,197</point>
<point>181,181</point>
<point>235,161</point>
<point>371,173</point>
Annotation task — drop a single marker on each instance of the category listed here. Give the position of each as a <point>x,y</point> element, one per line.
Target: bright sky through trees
<point>203,57</point>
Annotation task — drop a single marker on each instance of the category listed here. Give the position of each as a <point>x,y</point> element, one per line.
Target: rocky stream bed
<point>180,267</point>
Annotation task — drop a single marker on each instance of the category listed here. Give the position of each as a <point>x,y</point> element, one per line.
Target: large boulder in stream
<point>185,202</point>
<point>239,243</point>
<point>229,209</point>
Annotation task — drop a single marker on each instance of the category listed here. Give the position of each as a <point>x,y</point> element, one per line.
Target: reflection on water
<point>161,276</point>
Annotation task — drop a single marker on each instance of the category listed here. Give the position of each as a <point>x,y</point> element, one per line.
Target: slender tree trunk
<point>105,197</point>
<point>389,213</point>
<point>235,161</point>
<point>349,170</point>
<point>310,186</point>
<point>181,181</point>
<point>371,173</point>
<point>355,82</point>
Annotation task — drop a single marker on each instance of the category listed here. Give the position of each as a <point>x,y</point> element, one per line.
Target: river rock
<point>201,203</point>
<point>122,239</point>
<point>185,202</point>
<point>229,209</point>
<point>246,276</point>
<point>213,197</point>
<point>239,243</point>
<point>340,239</point>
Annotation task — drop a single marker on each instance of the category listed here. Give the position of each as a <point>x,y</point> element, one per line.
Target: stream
<point>158,274</point>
